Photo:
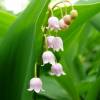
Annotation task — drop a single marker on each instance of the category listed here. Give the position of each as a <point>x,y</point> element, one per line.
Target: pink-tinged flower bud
<point>49,41</point>
<point>67,19</point>
<point>62,24</point>
<point>57,44</point>
<point>48,57</point>
<point>53,23</point>
<point>74,14</point>
<point>57,70</point>
<point>35,84</point>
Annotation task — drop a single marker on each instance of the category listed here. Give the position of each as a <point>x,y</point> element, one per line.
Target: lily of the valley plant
<point>53,43</point>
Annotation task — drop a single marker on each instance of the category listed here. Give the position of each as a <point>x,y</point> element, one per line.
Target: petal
<point>35,84</point>
<point>49,41</point>
<point>45,62</point>
<point>57,44</point>
<point>42,90</point>
<point>30,89</point>
<point>63,73</point>
<point>48,57</point>
<point>53,23</point>
<point>37,90</point>
<point>62,49</point>
<point>52,74</point>
<point>58,75</point>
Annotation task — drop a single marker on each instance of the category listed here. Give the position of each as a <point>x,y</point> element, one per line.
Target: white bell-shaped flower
<point>48,57</point>
<point>49,41</point>
<point>35,84</point>
<point>57,44</point>
<point>53,23</point>
<point>57,70</point>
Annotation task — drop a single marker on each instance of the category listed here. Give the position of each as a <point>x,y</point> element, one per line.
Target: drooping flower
<point>57,70</point>
<point>62,24</point>
<point>53,23</point>
<point>49,41</point>
<point>35,84</point>
<point>48,57</point>
<point>57,44</point>
<point>74,14</point>
<point>67,19</point>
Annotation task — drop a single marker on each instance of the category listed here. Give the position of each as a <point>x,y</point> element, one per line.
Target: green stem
<point>35,96</point>
<point>60,11</point>
<point>46,46</point>
<point>51,12</point>
<point>35,70</point>
<point>65,8</point>
<point>63,3</point>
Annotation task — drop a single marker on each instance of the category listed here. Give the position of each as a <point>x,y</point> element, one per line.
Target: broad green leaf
<point>95,21</point>
<point>94,91</point>
<point>6,19</point>
<point>53,89</point>
<point>19,52</point>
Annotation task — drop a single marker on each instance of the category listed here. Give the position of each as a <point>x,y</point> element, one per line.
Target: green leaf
<point>53,89</point>
<point>94,91</point>
<point>95,21</point>
<point>6,19</point>
<point>19,52</point>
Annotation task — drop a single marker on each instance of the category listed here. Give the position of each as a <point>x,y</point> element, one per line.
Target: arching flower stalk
<point>54,42</point>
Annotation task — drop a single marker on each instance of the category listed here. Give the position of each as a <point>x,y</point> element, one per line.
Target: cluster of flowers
<point>56,44</point>
<point>56,24</point>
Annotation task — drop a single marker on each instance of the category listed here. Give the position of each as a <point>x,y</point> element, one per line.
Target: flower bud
<point>62,24</point>
<point>48,57</point>
<point>49,41</point>
<point>67,19</point>
<point>57,70</point>
<point>35,84</point>
<point>74,14</point>
<point>53,23</point>
<point>57,44</point>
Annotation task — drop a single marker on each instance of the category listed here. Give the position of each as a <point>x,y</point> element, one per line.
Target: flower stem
<point>46,46</point>
<point>63,3</point>
<point>35,96</point>
<point>51,11</point>
<point>35,70</point>
<point>60,11</point>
